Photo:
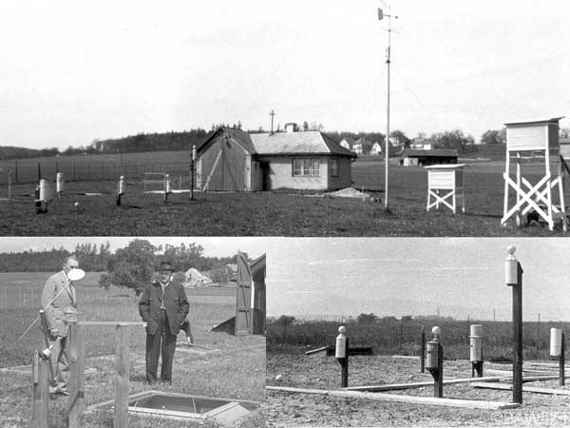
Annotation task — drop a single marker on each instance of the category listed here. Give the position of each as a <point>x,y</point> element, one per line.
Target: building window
<point>334,167</point>
<point>306,167</point>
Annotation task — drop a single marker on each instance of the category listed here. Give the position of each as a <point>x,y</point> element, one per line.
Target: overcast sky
<point>416,276</point>
<point>72,72</point>
<point>214,247</point>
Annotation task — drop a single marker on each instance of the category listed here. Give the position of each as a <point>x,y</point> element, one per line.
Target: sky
<point>73,72</point>
<point>463,277</point>
<point>213,247</point>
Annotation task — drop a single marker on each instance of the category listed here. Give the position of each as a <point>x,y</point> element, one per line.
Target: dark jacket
<point>175,301</point>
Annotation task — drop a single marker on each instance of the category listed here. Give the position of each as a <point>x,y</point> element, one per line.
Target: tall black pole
<point>517,338</point>
<point>561,380</point>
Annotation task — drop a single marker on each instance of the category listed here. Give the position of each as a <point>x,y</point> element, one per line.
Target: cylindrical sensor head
<point>43,190</point>
<point>432,357</point>
<point>476,343</point>
<point>121,186</point>
<point>167,183</point>
<point>340,344</point>
<point>511,267</point>
<point>555,342</point>
<point>475,349</point>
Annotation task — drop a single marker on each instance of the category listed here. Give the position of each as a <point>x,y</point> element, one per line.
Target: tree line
<point>138,254</point>
<point>183,140</point>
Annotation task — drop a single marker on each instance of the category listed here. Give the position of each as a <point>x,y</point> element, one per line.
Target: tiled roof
<point>308,142</point>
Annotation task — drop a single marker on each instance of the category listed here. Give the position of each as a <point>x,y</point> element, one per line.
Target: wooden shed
<point>233,160</point>
<point>250,299</point>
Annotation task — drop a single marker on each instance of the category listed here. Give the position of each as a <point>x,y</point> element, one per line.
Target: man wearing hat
<point>59,304</point>
<point>163,306</point>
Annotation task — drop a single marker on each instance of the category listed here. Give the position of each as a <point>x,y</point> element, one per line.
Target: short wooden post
<point>40,392</point>
<point>9,184</point>
<point>561,380</point>
<point>344,368</point>
<point>423,350</point>
<point>76,403</point>
<point>192,171</point>
<point>121,419</point>
<point>438,391</point>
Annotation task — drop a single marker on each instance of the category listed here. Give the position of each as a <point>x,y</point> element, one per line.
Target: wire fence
<point>95,167</point>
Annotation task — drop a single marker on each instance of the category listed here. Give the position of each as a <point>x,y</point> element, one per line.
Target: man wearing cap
<point>60,304</point>
<point>164,307</point>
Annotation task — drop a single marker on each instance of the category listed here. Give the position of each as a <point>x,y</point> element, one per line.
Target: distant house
<point>364,146</point>
<point>357,148</point>
<point>347,143</point>
<point>421,146</point>
<point>233,160</point>
<point>376,148</point>
<point>412,157</point>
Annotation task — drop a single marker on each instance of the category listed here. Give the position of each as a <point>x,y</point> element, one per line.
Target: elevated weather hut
<point>539,186</point>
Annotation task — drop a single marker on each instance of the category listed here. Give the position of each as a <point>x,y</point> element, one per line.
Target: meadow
<point>390,336</point>
<point>275,213</point>
<point>232,367</point>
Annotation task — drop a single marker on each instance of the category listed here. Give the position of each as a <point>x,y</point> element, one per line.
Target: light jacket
<point>58,295</point>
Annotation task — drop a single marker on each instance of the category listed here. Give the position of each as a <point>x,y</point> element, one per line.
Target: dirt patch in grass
<point>285,409</point>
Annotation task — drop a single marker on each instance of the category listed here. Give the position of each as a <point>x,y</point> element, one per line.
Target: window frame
<point>305,167</point>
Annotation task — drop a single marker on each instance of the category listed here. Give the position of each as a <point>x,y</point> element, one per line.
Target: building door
<point>265,179</point>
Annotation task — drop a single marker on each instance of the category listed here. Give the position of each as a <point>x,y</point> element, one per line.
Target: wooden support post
<point>121,418</point>
<point>40,392</point>
<point>344,368</point>
<point>76,403</point>
<point>423,350</point>
<point>192,171</point>
<point>438,380</point>
<point>561,381</point>
<point>517,338</point>
<point>9,184</point>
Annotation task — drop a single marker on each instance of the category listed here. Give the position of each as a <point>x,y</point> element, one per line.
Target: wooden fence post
<point>40,396</point>
<point>121,419</point>
<point>76,403</point>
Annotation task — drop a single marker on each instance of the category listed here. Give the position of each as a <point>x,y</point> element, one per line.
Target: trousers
<point>162,342</point>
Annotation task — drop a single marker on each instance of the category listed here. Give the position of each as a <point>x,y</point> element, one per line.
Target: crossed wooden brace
<point>441,199</point>
<point>526,197</point>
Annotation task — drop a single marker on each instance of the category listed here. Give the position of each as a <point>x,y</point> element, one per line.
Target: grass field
<point>234,368</point>
<point>321,372</point>
<point>279,213</point>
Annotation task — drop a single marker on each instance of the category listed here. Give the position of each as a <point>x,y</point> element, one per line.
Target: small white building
<point>347,143</point>
<point>376,148</point>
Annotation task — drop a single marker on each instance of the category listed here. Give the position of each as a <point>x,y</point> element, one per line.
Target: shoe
<point>54,390</point>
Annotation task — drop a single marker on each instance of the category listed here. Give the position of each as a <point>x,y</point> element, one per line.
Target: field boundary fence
<point>98,167</point>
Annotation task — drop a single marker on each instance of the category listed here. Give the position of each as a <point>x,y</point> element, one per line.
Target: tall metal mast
<point>381,16</point>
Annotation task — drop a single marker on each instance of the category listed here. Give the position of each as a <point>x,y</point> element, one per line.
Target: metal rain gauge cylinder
<point>555,342</point>
<point>432,355</point>
<point>59,182</point>
<point>43,190</point>
<point>340,345</point>
<point>476,343</point>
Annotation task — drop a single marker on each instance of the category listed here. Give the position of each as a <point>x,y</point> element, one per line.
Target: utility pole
<point>272,114</point>
<point>381,16</point>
